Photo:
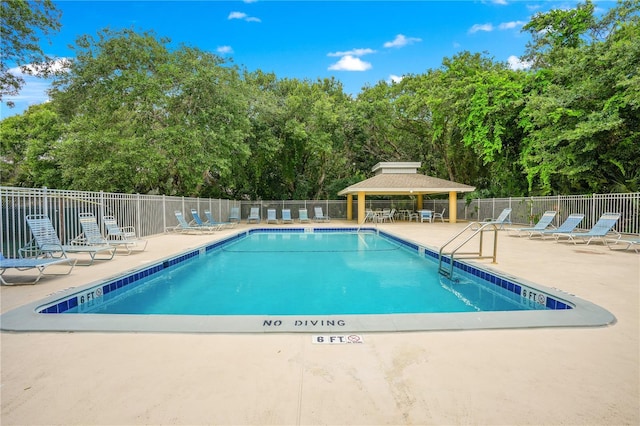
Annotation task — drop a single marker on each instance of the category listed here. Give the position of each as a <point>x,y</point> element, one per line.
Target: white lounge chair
<point>91,235</point>
<point>46,243</point>
<point>125,237</point>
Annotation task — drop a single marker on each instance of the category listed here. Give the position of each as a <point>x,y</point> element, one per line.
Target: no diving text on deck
<point>304,323</point>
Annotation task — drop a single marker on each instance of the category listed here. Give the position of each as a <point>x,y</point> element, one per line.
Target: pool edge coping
<point>26,318</point>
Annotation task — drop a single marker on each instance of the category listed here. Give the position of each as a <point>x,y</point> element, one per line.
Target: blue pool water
<point>300,273</point>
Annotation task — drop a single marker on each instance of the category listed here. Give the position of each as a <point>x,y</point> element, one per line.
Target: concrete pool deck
<point>518,376</point>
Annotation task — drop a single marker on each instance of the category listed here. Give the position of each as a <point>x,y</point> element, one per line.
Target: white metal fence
<point>152,214</point>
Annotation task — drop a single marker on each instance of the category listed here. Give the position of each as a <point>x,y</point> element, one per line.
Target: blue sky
<point>358,42</point>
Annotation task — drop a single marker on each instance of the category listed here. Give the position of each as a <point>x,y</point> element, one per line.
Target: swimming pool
<point>483,299</point>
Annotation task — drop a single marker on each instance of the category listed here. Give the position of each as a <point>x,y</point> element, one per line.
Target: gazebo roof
<point>386,182</point>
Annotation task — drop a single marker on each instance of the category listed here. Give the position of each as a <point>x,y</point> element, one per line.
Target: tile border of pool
<point>565,310</point>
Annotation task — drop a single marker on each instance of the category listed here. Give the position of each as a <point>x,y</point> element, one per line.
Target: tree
<point>142,118</point>
<point>580,122</point>
<point>21,25</point>
<point>29,142</point>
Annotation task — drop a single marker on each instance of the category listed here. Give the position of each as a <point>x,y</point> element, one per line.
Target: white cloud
<point>243,16</point>
<point>401,41</point>
<point>500,2</point>
<point>350,63</point>
<point>394,78</point>
<point>510,25</point>
<point>224,49</point>
<point>516,63</point>
<point>481,27</point>
<point>353,52</point>
<point>57,65</point>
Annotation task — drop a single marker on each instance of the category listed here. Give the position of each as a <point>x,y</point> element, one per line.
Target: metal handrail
<point>477,228</point>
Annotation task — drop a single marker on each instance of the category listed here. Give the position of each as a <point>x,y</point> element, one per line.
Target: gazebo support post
<point>453,207</point>
<point>350,207</point>
<point>419,202</point>
<point>361,203</point>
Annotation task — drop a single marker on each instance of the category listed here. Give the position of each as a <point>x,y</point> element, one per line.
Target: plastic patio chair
<point>425,215</point>
<point>440,216</point>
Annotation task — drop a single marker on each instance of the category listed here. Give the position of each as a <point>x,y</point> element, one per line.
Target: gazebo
<point>400,178</point>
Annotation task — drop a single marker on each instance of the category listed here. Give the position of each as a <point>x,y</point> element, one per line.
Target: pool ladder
<point>476,228</point>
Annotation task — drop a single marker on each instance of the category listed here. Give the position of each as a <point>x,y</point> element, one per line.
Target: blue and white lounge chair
<point>543,223</point>
<point>234,216</point>
<point>635,243</point>
<point>501,220</point>
<point>254,215</point>
<point>92,236</point>
<point>211,220</point>
<point>600,231</point>
<point>184,228</point>
<point>286,216</point>
<point>125,237</point>
<point>33,263</point>
<point>568,226</point>
<point>303,215</point>
<point>46,243</point>
<point>320,216</point>
<point>271,216</point>
<point>197,221</point>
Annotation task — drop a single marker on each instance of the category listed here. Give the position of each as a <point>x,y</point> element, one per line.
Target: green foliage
<point>580,121</point>
<point>29,143</point>
<point>22,23</point>
<point>132,115</point>
<point>142,118</point>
